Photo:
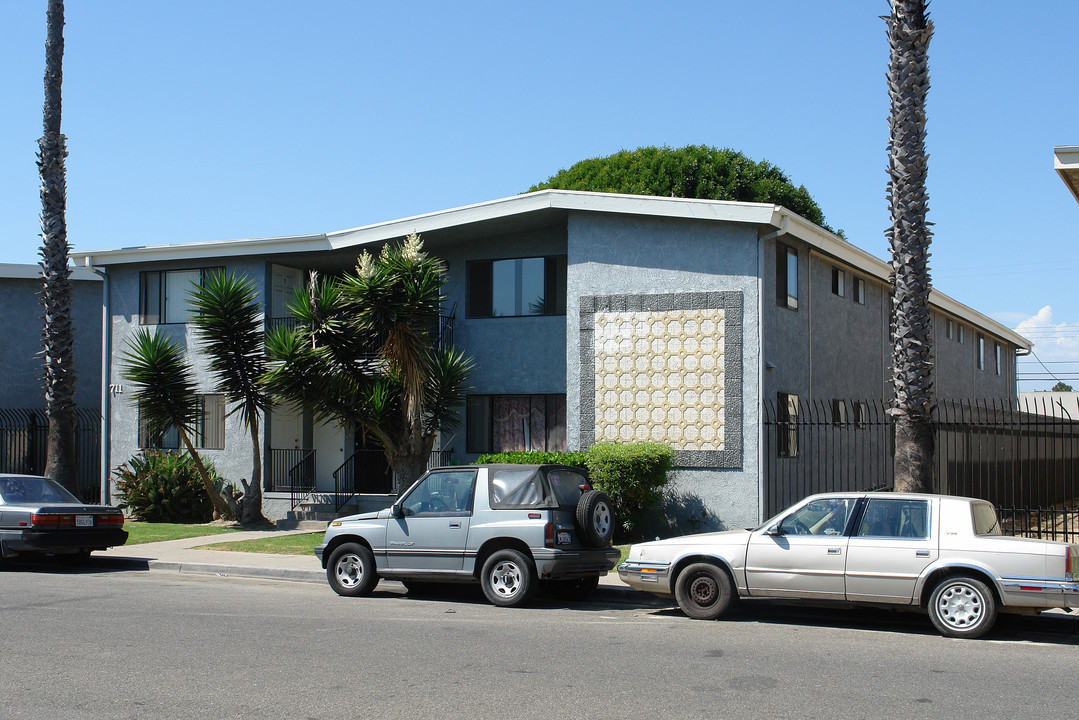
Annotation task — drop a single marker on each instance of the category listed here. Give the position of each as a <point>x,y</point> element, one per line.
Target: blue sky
<point>231,119</point>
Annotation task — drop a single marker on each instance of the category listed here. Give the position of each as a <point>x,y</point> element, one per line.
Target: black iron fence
<point>24,439</point>
<point>1022,457</point>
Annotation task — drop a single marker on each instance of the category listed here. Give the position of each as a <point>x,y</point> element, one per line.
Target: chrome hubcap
<point>506,579</point>
<point>960,606</point>
<point>601,519</point>
<point>349,570</point>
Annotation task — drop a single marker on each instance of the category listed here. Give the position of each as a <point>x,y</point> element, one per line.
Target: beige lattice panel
<point>659,377</point>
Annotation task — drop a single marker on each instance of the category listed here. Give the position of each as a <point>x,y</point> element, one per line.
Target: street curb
<point>604,593</point>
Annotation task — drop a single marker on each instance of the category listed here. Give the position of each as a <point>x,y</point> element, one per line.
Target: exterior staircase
<point>317,511</point>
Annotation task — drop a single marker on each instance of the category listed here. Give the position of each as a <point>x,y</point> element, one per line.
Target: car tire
<point>962,607</point>
<point>577,589</point>
<point>595,519</point>
<point>704,591</point>
<point>351,570</point>
<point>508,578</point>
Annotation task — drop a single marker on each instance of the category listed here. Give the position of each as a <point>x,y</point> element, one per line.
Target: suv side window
<point>445,493</point>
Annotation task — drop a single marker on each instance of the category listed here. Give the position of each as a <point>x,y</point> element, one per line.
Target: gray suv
<point>508,527</point>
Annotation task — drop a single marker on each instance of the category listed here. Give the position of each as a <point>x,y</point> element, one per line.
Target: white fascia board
<point>201,250</point>
<point>33,272</point>
<point>1066,163</point>
<point>835,246</point>
<point>554,200</point>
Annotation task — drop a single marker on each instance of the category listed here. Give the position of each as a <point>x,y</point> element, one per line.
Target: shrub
<point>162,486</point>
<point>535,457</point>
<point>634,475</point>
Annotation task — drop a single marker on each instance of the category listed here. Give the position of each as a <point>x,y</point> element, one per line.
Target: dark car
<point>40,517</point>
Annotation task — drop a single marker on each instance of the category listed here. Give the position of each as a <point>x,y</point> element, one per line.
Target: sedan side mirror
<point>396,511</point>
<point>774,530</point>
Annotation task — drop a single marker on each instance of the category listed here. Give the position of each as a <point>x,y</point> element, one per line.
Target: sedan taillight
<point>41,520</point>
<point>112,519</point>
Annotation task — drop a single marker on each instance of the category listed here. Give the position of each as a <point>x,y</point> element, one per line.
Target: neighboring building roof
<point>1066,162</point>
<point>33,272</point>
<point>536,210</point>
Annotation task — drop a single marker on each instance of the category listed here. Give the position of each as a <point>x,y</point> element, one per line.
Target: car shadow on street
<point>55,565</point>
<point>1049,628</point>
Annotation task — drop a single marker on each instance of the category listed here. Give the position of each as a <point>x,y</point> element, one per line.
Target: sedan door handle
<point>455,524</point>
<point>921,553</point>
<point>835,551</point>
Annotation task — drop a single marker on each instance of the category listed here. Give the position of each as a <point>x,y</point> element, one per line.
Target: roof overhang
<point>539,209</point>
<point>1066,163</point>
<point>13,271</point>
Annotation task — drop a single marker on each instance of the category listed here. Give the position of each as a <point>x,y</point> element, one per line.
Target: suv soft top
<point>517,487</point>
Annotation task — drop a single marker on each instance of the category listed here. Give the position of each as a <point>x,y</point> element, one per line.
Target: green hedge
<point>634,475</point>
<point>535,457</point>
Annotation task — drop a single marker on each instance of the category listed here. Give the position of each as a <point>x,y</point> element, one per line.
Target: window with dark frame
<point>839,412</point>
<point>861,414</point>
<point>981,351</point>
<point>786,276</point>
<point>503,423</point>
<point>839,282</point>
<point>949,328</point>
<point>998,357</point>
<point>859,290</point>
<point>787,425</point>
<point>517,287</point>
<point>165,295</point>
<point>208,433</point>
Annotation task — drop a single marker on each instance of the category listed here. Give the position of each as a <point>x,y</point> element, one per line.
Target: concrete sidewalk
<point>197,556</point>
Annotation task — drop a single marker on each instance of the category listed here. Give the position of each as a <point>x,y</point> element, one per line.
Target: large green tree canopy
<point>694,171</point>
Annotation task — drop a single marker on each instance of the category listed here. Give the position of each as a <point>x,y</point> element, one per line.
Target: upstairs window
<point>786,276</point>
<point>165,296</point>
<point>981,351</point>
<point>998,357</point>
<point>859,291</point>
<point>517,287</point>
<point>839,282</point>
<point>949,328</point>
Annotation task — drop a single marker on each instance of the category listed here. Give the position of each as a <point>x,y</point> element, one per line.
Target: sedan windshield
<point>24,489</point>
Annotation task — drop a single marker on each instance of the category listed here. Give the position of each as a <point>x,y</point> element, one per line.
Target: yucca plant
<point>162,486</point>
<point>228,317</point>
<point>366,354</point>
<point>165,392</point>
<point>909,31</point>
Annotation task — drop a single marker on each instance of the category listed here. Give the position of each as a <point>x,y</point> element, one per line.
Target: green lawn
<point>302,544</point>
<point>144,532</point>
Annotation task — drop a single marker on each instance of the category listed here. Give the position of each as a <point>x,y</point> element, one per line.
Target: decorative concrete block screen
<point>664,368</point>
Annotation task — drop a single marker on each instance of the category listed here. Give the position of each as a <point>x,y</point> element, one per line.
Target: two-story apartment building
<point>590,317</point>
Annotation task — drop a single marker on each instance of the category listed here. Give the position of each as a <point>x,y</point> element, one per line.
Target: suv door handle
<point>455,524</point>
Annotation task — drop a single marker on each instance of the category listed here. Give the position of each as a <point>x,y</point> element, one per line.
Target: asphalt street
<point>106,642</point>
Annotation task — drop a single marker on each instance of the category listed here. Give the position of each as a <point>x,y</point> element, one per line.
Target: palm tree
<point>56,287</point>
<point>228,318</point>
<point>366,354</point>
<point>165,392</point>
<point>909,31</point>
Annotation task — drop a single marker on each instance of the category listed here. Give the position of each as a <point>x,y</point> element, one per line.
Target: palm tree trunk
<point>57,335</point>
<point>909,31</point>
<point>221,508</point>
<point>251,512</point>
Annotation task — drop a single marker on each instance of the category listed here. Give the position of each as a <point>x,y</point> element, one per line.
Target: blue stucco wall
<point>616,255</point>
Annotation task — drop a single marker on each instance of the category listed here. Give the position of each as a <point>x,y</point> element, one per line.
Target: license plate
<point>84,521</point>
<point>563,537</point>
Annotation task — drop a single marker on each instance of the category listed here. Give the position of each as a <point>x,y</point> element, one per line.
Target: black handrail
<point>302,478</point>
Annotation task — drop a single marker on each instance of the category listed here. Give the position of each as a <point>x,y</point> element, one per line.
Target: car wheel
<point>703,591</point>
<point>576,589</point>
<point>595,518</point>
<point>963,607</point>
<point>508,578</point>
<point>351,570</point>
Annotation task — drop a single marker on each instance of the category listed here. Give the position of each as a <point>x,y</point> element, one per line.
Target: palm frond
<point>164,384</point>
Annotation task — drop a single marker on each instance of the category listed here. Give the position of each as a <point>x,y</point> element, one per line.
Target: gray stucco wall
<point>234,461</point>
<point>21,320</point>
<point>612,255</point>
<point>958,375</point>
